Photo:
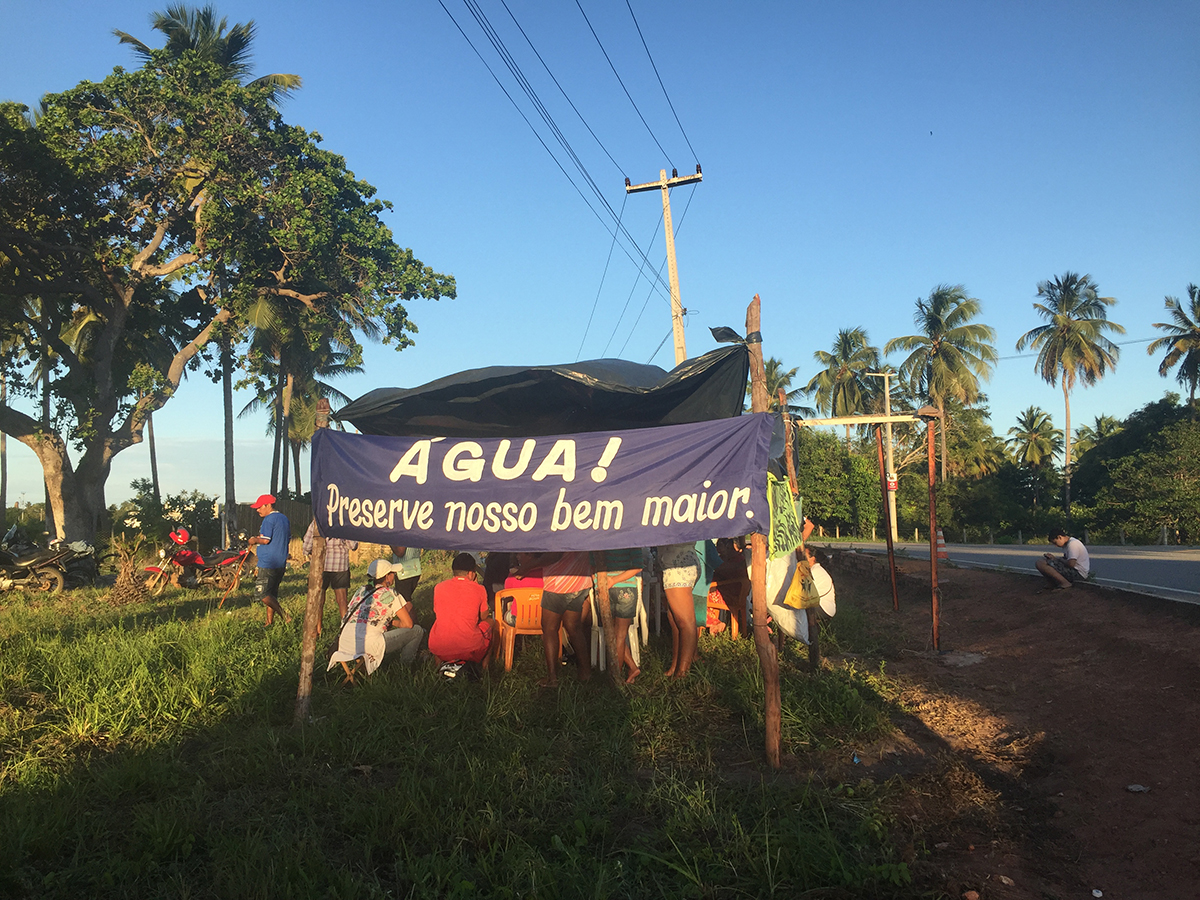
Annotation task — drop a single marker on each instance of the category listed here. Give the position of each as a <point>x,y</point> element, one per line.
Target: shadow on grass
<point>411,785</point>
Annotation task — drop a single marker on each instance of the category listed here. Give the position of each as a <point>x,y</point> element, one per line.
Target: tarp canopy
<point>584,491</point>
<point>596,395</point>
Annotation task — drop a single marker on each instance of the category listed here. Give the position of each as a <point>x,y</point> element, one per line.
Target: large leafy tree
<point>842,387</point>
<point>1072,346</point>
<point>1182,342</point>
<point>949,355</point>
<point>198,32</point>
<point>1034,442</point>
<point>170,172</point>
<point>1088,436</point>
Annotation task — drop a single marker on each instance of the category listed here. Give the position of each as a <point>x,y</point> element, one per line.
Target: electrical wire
<point>660,345</point>
<point>632,288</point>
<point>564,93</point>
<point>514,69</point>
<point>660,81</point>
<point>1118,343</point>
<point>622,83</point>
<point>596,302</point>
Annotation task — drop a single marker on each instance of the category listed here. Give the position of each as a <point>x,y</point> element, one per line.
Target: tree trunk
<point>285,437</point>
<point>3,461</point>
<point>278,412</point>
<point>230,522</point>
<point>48,509</point>
<point>1067,453</point>
<point>296,464</point>
<point>153,460</point>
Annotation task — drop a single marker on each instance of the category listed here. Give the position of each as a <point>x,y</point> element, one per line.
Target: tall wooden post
<point>767,658</point>
<point>312,609</point>
<point>883,486</point>
<point>935,596</point>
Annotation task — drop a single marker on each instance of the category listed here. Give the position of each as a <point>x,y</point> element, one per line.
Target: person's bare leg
<point>273,607</point>
<point>321,612</point>
<point>683,607</point>
<point>495,641</point>
<point>550,625</point>
<point>674,640</point>
<point>1051,574</point>
<point>625,657</point>
<point>340,595</point>
<point>573,622</point>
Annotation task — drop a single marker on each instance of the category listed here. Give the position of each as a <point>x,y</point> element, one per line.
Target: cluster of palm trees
<point>951,354</point>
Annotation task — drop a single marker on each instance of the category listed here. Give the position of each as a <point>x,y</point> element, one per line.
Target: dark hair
<point>818,554</point>
<point>464,562</point>
<point>1057,532</point>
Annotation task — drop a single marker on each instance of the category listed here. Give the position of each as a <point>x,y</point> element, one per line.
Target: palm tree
<point>1182,342</point>
<point>1071,344</point>
<point>1088,436</point>
<point>1034,442</point>
<point>779,378</point>
<point>188,28</point>
<point>949,355</point>
<point>842,388</point>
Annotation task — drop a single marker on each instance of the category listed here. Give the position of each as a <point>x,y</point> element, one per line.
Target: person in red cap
<point>272,552</point>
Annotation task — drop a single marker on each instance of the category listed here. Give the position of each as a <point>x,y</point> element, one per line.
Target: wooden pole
<point>788,436</point>
<point>767,658</point>
<point>891,548</point>
<point>312,609</point>
<point>934,593</point>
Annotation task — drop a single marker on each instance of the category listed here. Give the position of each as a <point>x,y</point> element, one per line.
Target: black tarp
<point>596,395</point>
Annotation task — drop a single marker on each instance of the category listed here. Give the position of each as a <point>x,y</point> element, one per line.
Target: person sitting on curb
<point>378,623</point>
<point>462,631</point>
<point>1073,566</point>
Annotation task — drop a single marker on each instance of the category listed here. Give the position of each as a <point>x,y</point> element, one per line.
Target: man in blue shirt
<point>272,553</point>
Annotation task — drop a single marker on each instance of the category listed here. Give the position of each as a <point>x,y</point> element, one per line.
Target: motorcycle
<point>222,569</point>
<point>79,562</point>
<point>25,566</point>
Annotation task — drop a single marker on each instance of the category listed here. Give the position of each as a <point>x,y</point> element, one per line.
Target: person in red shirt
<point>462,631</point>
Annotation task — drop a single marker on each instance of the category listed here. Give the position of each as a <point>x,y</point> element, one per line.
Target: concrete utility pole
<point>664,184</point>
<point>891,469</point>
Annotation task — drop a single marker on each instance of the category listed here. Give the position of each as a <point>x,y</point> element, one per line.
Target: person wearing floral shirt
<point>379,622</point>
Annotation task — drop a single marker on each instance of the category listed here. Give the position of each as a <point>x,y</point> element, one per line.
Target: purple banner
<point>591,491</point>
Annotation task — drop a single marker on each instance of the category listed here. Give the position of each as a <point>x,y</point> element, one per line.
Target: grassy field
<point>148,752</point>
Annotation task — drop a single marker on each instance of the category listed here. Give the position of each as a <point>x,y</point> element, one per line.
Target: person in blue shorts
<point>272,543</point>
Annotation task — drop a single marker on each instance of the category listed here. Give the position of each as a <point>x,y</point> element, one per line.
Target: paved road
<point>1171,572</point>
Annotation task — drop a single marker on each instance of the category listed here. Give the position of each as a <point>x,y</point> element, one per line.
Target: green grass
<point>148,752</point>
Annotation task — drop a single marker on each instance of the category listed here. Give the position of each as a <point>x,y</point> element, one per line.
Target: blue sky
<point>854,156</point>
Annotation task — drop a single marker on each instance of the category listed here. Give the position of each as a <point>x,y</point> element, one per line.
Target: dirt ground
<point>1052,743</point>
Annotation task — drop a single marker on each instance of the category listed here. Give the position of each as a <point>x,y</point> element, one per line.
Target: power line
<point>659,347</point>
<point>633,288</point>
<point>660,81</point>
<point>1118,343</point>
<point>622,83</point>
<point>564,93</point>
<point>514,69</point>
<point>596,302</point>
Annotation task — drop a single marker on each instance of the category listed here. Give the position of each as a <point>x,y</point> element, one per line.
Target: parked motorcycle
<point>26,567</point>
<point>79,562</point>
<point>222,569</point>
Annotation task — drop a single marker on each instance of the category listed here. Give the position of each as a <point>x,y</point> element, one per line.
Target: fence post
<point>990,538</point>
<point>312,607</point>
<point>1122,535</point>
<point>916,536</point>
<point>1164,535</point>
<point>1020,537</point>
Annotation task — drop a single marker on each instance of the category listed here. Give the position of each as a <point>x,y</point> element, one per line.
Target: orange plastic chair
<point>527,609</point>
<point>731,598</point>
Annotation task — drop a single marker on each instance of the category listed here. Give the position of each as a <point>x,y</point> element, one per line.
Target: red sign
<point>892,484</point>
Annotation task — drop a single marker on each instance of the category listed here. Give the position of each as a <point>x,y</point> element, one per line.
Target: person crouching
<point>379,622</point>
<point>462,632</point>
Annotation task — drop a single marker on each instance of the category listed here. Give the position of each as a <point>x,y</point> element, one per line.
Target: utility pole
<point>664,184</point>
<point>891,471</point>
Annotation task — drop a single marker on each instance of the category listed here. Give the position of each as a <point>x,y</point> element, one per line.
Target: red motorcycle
<point>187,568</point>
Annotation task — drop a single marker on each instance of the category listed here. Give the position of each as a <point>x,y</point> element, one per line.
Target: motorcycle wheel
<point>51,580</point>
<point>155,582</point>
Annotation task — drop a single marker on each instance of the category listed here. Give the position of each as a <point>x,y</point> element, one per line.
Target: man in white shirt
<point>1073,566</point>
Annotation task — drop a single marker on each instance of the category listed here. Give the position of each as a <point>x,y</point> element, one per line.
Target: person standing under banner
<point>272,555</point>
<point>337,570</point>
<point>680,571</point>
<point>406,563</point>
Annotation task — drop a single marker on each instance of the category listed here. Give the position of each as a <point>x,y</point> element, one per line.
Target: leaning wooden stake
<point>767,657</point>
<point>312,609</point>
<point>935,592</point>
<point>887,514</point>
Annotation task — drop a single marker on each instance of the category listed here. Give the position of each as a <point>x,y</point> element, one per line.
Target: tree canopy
<point>143,212</point>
